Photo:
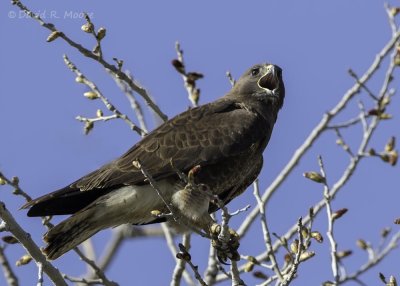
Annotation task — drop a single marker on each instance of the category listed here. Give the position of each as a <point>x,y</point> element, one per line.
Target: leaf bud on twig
<point>179,66</point>
<point>392,281</point>
<point>306,255</point>
<point>88,127</point>
<point>385,232</point>
<point>361,243</point>
<point>294,246</point>
<point>79,79</point>
<point>314,176</point>
<point>343,254</point>
<point>23,260</point>
<point>54,35</point>
<point>339,213</point>
<point>317,236</point>
<point>101,33</point>
<point>260,275</point>
<point>10,239</point>
<point>91,95</point>
<point>87,28</point>
<point>248,267</point>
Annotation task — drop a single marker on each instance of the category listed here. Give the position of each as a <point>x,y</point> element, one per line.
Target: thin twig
<point>84,281</point>
<point>392,21</point>
<point>40,274</point>
<point>348,123</point>
<point>99,118</point>
<point>363,85</point>
<point>343,143</point>
<point>230,78</point>
<point>136,107</point>
<point>111,248</point>
<point>120,234</point>
<point>104,99</point>
<point>363,117</point>
<point>266,233</point>
<point>90,253</point>
<point>180,263</point>
<point>190,84</point>
<point>196,273</point>
<point>293,269</point>
<point>239,211</point>
<point>236,280</point>
<point>330,231</point>
<point>99,273</point>
<point>171,245</point>
<point>9,275</point>
<point>14,182</point>
<point>212,266</point>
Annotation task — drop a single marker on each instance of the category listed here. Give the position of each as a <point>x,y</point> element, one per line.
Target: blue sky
<point>315,42</point>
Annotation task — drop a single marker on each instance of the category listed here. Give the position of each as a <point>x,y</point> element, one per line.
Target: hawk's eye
<point>255,71</point>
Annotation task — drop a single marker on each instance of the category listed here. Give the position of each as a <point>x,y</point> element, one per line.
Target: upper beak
<point>269,80</point>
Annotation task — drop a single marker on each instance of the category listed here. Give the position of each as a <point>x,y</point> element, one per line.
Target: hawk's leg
<point>191,203</point>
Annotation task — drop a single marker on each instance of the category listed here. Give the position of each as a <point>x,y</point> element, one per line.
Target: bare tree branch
<point>266,233</point>
<point>212,268</point>
<point>134,103</point>
<point>394,243</point>
<point>99,273</point>
<point>189,78</point>
<point>96,57</point>
<point>323,126</point>
<point>14,182</point>
<point>293,269</point>
<point>284,275</point>
<point>171,245</point>
<point>30,246</point>
<point>98,94</point>
<point>319,129</point>
<point>331,219</point>
<point>180,263</point>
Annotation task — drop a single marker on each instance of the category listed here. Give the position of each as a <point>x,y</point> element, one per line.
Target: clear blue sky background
<point>315,42</point>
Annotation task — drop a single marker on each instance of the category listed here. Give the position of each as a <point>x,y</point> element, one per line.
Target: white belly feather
<point>133,204</point>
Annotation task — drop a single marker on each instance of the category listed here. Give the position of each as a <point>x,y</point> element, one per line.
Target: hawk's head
<point>263,81</point>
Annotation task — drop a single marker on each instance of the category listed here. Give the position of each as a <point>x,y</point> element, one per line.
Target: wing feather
<point>205,135</point>
<point>202,135</point>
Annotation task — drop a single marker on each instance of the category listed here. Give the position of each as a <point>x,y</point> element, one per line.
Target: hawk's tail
<point>70,233</point>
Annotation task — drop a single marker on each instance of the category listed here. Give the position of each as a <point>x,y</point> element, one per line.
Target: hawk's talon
<point>225,247</point>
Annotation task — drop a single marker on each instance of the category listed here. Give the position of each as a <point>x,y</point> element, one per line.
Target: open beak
<point>270,80</point>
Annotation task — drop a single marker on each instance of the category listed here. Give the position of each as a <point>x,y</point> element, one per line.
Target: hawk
<point>223,140</point>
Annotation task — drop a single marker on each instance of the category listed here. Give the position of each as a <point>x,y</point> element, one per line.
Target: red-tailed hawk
<point>226,138</point>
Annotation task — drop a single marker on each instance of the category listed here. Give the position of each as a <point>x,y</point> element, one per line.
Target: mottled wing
<point>204,135</point>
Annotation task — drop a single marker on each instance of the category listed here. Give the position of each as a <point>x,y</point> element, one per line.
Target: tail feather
<point>62,202</point>
<point>68,234</point>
